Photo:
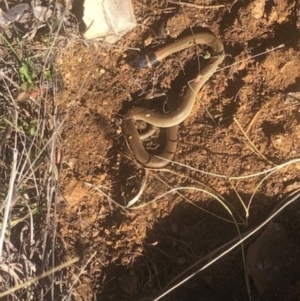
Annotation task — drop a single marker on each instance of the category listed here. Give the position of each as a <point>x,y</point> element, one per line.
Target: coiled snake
<point>171,120</point>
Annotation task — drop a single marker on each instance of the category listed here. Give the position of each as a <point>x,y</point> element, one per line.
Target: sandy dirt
<point>246,121</point>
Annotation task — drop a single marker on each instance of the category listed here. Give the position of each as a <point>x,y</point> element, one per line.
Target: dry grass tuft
<point>29,150</point>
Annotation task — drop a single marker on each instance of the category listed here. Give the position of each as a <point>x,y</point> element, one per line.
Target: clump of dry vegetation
<point>31,36</point>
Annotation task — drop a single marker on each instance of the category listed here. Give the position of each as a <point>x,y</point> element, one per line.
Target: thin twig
<point>8,200</point>
<point>195,5</point>
<point>251,57</point>
<point>35,279</point>
<point>235,242</point>
<point>83,269</point>
<point>10,80</point>
<point>253,147</point>
<point>217,197</point>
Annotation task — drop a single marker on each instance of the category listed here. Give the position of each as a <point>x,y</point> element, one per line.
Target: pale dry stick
<point>195,5</point>
<point>188,188</point>
<point>107,196</point>
<point>255,190</point>
<point>132,201</point>
<point>163,195</point>
<point>6,5</point>
<point>37,278</point>
<point>143,186</point>
<point>270,171</point>
<point>295,96</point>
<point>6,133</point>
<point>150,277</point>
<point>261,182</point>
<point>4,76</point>
<point>141,191</point>
<point>181,175</point>
<point>39,135</point>
<point>56,34</point>
<point>233,3</point>
<point>288,107</point>
<point>236,242</point>
<point>27,160</point>
<point>195,169</point>
<point>253,147</point>
<point>199,99</point>
<point>252,121</point>
<point>9,197</point>
<point>32,170</point>
<point>82,270</point>
<point>207,187</point>
<point>258,112</point>
<point>24,150</point>
<point>16,221</point>
<point>184,175</point>
<point>26,163</point>
<point>297,160</point>
<point>10,271</point>
<point>277,207</point>
<point>251,57</point>
<point>9,123</point>
<point>240,199</point>
<point>31,228</point>
<point>51,193</point>
<point>218,197</point>
<point>51,187</point>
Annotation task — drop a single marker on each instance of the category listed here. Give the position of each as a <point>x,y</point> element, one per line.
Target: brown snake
<point>171,120</point>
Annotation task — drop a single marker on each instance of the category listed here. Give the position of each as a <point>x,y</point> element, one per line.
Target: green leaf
<point>207,55</point>
<point>48,75</point>
<point>32,131</point>
<point>24,86</point>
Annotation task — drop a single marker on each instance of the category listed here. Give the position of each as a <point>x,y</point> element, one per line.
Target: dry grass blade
<point>35,279</point>
<point>231,245</point>
<point>252,146</point>
<point>252,57</point>
<point>8,79</point>
<point>68,295</point>
<point>197,6</point>
<point>205,188</point>
<point>279,167</point>
<point>29,151</point>
<point>10,270</point>
<point>9,199</point>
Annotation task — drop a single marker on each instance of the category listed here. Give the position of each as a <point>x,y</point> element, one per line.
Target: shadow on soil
<point>181,239</point>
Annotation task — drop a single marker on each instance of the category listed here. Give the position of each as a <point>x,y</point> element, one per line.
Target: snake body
<point>171,120</point>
